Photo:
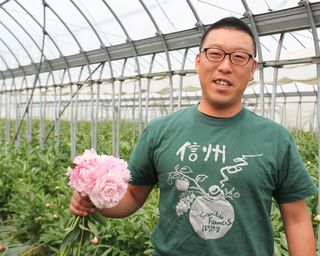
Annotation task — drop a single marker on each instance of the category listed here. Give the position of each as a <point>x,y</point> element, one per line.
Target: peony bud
<point>95,240</point>
<point>55,216</point>
<point>39,218</point>
<point>57,187</point>
<point>47,205</point>
<point>20,180</point>
<point>2,248</point>
<point>317,218</point>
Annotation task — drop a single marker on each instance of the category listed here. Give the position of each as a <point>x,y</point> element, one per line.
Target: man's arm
<point>134,198</point>
<point>298,228</point>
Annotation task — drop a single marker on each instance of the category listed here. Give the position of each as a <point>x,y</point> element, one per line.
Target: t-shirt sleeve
<point>141,164</point>
<point>294,181</point>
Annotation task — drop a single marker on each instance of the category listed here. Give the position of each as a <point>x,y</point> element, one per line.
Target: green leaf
<point>17,251</point>
<point>72,165</point>
<point>70,237</point>
<point>84,228</point>
<point>107,252</point>
<point>148,251</point>
<point>93,228</point>
<point>283,240</point>
<point>86,236</point>
<point>7,229</point>
<point>277,250</point>
<point>98,217</point>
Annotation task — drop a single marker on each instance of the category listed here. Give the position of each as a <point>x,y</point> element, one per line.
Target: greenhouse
<point>77,75</point>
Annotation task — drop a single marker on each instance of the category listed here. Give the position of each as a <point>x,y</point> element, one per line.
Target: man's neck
<point>223,112</point>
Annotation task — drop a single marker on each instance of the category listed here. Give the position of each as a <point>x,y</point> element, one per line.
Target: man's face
<point>223,83</point>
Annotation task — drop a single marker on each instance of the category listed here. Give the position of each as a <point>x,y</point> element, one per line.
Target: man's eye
<point>239,56</point>
<point>215,54</point>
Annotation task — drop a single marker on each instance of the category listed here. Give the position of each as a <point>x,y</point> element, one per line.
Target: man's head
<point>225,65</point>
<point>231,23</point>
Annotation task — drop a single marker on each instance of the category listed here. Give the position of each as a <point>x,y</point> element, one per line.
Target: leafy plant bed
<point>34,199</point>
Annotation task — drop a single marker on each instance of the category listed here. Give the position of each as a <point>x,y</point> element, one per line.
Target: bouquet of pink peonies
<point>104,180</point>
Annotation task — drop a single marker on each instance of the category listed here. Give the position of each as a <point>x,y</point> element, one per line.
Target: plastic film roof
<point>146,45</point>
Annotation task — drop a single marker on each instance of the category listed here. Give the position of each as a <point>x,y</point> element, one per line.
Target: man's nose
<point>225,65</point>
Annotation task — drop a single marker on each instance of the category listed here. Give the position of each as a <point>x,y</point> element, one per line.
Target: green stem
<point>317,233</point>
<point>37,247</point>
<point>75,222</point>
<point>82,231</point>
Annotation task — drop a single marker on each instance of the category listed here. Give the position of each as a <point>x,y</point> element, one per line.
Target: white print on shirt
<point>211,214</point>
<point>193,148</point>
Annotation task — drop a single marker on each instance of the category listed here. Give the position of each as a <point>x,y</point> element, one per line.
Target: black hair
<point>231,23</point>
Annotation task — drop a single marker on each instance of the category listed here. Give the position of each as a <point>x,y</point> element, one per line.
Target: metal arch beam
<point>165,49</point>
<point>199,23</point>
<point>21,68</point>
<point>37,74</point>
<point>268,23</point>
<point>85,58</point>
<point>97,35</point>
<point>312,20</point>
<point>148,89</point>
<point>94,130</point>
<point>11,53</point>
<point>4,61</point>
<point>275,78</point>
<point>41,62</point>
<point>37,22</point>
<point>82,52</point>
<point>103,47</point>
<point>135,55</point>
<point>259,50</point>
<point>22,27</point>
<point>181,77</point>
<point>287,20</point>
<point>66,68</point>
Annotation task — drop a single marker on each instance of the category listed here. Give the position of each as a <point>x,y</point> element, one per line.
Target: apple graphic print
<point>211,214</point>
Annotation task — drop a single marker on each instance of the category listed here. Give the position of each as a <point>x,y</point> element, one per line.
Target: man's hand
<point>133,199</point>
<point>80,205</point>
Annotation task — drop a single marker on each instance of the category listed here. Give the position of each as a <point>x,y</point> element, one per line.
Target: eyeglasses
<point>237,58</point>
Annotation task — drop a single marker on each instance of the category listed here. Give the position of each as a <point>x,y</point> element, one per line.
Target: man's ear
<point>197,63</point>
<point>254,67</point>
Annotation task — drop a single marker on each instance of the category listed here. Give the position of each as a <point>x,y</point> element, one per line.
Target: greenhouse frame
<point>134,60</point>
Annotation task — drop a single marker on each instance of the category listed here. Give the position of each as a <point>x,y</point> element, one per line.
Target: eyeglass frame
<point>226,53</point>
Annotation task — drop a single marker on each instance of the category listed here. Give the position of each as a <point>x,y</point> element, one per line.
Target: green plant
<point>33,184</point>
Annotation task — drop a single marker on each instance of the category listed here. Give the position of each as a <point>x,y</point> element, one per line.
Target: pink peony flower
<point>110,164</point>
<point>103,178</point>
<point>108,191</point>
<point>84,176</point>
<point>88,154</point>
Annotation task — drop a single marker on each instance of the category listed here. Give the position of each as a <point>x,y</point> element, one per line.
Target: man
<point>219,165</point>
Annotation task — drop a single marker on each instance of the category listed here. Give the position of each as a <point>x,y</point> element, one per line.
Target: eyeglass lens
<point>237,58</point>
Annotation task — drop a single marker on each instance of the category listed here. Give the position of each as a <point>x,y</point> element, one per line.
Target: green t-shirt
<point>217,178</point>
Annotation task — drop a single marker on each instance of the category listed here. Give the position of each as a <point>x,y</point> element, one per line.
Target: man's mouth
<point>222,83</point>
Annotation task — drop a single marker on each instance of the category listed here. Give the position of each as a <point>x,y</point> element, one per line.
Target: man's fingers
<point>80,205</point>
<point>77,212</point>
<point>82,200</point>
